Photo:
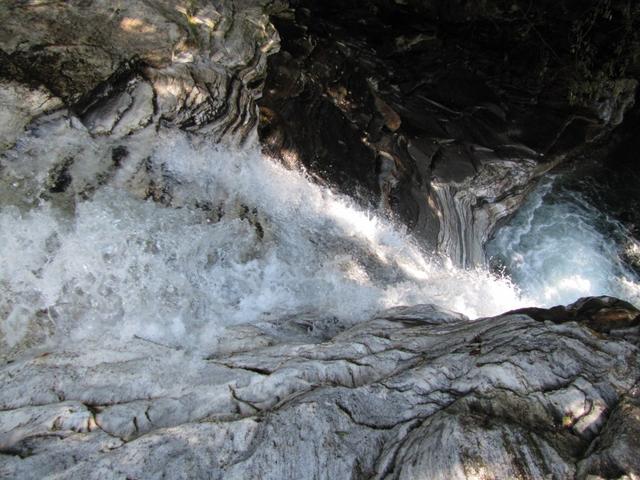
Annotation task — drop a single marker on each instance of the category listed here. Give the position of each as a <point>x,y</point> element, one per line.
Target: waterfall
<point>245,241</point>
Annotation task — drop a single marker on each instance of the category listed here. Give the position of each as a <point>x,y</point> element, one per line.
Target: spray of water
<point>269,244</point>
<point>560,247</point>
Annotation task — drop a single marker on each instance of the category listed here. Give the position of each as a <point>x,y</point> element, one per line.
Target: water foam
<point>560,247</point>
<point>278,245</point>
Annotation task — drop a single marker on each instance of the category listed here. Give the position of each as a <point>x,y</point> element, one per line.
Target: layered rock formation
<point>446,112</point>
<point>112,76</point>
<point>193,64</point>
<point>414,393</point>
<point>88,87</point>
<point>441,114</point>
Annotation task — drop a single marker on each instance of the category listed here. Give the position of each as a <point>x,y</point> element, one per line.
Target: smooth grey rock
<point>123,113</point>
<point>471,208</point>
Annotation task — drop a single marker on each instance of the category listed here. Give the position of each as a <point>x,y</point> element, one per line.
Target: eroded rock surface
<point>399,103</point>
<point>105,78</point>
<point>444,112</point>
<point>86,89</point>
<point>195,65</point>
<point>413,393</point>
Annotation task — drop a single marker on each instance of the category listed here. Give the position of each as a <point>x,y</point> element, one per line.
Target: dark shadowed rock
<point>614,453</point>
<point>401,102</point>
<point>601,314</point>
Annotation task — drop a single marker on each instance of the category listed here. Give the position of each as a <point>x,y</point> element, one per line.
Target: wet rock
<point>384,108</point>
<point>604,314</point>
<point>105,79</point>
<point>399,103</point>
<point>19,105</point>
<point>413,392</point>
<point>121,113</point>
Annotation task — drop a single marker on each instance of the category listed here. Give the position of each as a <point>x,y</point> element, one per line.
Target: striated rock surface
<point>444,113</point>
<point>196,65</point>
<point>416,392</point>
<point>106,78</point>
<point>420,108</point>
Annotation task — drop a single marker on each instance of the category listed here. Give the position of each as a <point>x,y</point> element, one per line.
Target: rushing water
<point>269,244</point>
<point>253,242</point>
<point>560,246</point>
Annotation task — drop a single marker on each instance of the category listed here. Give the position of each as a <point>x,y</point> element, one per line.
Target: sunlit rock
<point>19,105</point>
<point>206,64</point>
<point>412,393</point>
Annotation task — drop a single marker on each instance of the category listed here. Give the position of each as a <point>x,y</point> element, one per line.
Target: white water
<point>560,247</point>
<point>121,266</point>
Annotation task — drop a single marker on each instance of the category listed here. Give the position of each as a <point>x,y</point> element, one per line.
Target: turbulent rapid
<point>560,246</point>
<point>248,242</point>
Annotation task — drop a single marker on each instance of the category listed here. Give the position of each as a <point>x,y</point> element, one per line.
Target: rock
<point>346,98</point>
<point>391,118</point>
<point>361,101</point>
<point>411,105</point>
<point>604,314</point>
<point>617,97</point>
<point>468,210</point>
<point>123,113</point>
<point>19,105</point>
<point>615,451</point>
<point>106,79</point>
<point>194,66</point>
<point>413,392</point>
